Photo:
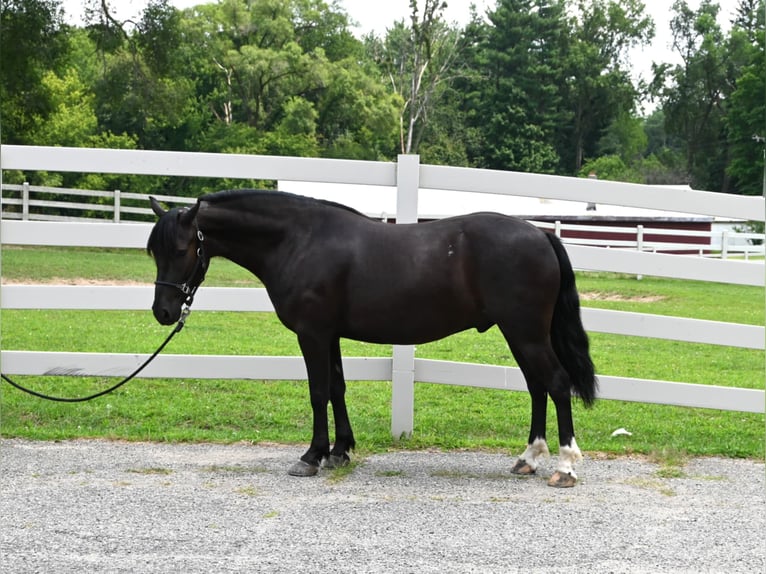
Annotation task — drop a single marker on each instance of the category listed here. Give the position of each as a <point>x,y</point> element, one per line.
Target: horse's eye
<point>181,252</point>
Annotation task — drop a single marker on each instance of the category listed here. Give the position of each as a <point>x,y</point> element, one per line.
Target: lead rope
<point>177,329</point>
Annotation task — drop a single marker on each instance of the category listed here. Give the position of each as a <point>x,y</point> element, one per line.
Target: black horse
<point>332,272</point>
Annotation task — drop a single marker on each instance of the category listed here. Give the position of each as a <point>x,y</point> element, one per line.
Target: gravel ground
<point>97,506</point>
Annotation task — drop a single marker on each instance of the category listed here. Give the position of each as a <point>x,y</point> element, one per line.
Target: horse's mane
<point>164,233</point>
<point>234,194</point>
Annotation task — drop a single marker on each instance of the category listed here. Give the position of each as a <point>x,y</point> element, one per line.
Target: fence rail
<point>721,244</point>
<point>402,368</point>
<point>22,205</point>
<point>139,298</point>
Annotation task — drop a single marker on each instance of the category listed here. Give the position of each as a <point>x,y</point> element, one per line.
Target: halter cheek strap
<point>190,286</point>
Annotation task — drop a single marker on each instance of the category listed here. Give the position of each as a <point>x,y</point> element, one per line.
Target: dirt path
<point>97,506</point>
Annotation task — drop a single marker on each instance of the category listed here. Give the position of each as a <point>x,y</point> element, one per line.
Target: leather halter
<point>190,286</point>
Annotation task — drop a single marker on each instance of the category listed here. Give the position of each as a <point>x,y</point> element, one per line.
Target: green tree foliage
<point>285,78</point>
<point>749,18</point>
<point>612,168</point>
<point>356,113</point>
<point>553,78</point>
<point>693,101</point>
<point>520,105</point>
<point>598,89</point>
<point>532,85</point>
<point>746,121</point>
<point>709,100</point>
<point>420,60</point>
<point>140,86</point>
<point>32,43</point>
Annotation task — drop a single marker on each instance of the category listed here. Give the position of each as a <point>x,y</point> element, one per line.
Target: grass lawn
<point>445,416</point>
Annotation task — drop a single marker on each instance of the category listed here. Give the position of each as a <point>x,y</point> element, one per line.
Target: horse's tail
<point>570,342</point>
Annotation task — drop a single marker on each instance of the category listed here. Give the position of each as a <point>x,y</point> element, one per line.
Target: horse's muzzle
<point>164,315</point>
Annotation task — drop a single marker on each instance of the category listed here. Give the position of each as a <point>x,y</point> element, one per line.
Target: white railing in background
<point>408,175</point>
<point>26,208</point>
<point>720,244</point>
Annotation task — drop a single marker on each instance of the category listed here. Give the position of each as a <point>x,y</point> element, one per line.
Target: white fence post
<point>403,368</point>
<point>25,201</point>
<point>640,244</point>
<point>116,205</point>
<point>725,244</point>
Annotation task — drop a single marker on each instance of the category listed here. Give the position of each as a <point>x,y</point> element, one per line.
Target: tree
<point>357,114</point>
<point>699,101</point>
<point>693,101</point>
<point>663,163</point>
<point>746,120</point>
<point>274,70</point>
<point>419,62</point>
<point>598,86</point>
<point>141,89</point>
<point>251,76</point>
<point>32,42</point>
<point>749,17</point>
<point>325,26</point>
<point>624,137</point>
<point>159,38</point>
<point>517,102</point>
<point>611,168</point>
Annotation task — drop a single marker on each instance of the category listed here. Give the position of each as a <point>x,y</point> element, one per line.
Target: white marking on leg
<point>568,456</point>
<point>534,451</point>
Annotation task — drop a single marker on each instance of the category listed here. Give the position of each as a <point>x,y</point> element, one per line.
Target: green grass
<point>65,264</point>
<point>445,416</point>
<point>698,299</point>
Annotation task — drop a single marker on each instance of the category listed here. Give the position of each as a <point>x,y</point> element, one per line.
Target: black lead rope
<point>188,288</point>
<point>176,329</point>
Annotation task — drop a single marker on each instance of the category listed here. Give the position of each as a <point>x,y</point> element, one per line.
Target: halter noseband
<point>190,286</point>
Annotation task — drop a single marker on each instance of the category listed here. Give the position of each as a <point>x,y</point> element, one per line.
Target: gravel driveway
<point>97,506</point>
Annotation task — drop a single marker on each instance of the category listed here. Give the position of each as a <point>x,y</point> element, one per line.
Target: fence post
<point>25,201</point>
<point>116,205</point>
<point>403,367</point>
<point>725,244</point>
<point>639,243</point>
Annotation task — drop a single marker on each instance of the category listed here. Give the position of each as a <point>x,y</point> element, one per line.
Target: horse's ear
<point>188,215</point>
<point>156,207</point>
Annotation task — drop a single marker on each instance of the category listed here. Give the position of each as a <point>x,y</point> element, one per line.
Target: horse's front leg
<point>344,436</point>
<point>316,354</point>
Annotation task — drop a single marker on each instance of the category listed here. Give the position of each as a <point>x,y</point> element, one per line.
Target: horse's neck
<point>251,238</point>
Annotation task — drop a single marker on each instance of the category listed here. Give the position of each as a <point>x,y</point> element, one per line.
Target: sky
<point>377,16</point>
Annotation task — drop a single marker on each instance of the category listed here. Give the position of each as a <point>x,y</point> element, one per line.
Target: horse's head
<point>177,247</point>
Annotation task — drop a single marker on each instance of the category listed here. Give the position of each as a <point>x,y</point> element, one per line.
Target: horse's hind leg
<point>537,446</point>
<point>569,452</point>
<point>344,436</point>
<point>545,376</point>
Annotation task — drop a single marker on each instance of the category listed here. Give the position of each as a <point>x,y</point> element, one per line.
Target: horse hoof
<point>334,461</point>
<point>522,467</point>
<point>302,468</point>
<point>562,480</point>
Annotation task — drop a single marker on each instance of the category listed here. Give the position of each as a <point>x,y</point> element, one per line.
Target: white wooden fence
<point>403,369</point>
<point>33,200</point>
<point>32,203</point>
